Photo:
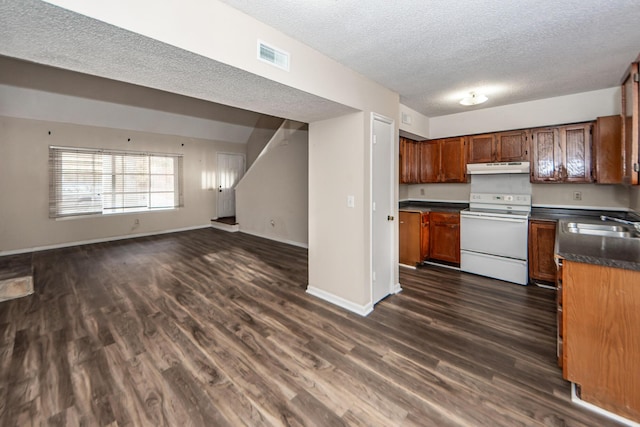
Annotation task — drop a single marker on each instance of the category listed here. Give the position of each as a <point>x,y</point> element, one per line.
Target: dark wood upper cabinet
<point>409,161</point>
<point>575,143</point>
<point>607,150</point>
<point>443,160</point>
<point>429,161</point>
<point>630,123</point>
<point>453,166</point>
<point>545,155</point>
<point>561,154</point>
<point>498,147</point>
<point>482,148</point>
<point>512,146</point>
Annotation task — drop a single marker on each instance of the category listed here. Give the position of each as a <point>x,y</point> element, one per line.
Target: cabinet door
<point>630,125</point>
<point>409,161</point>
<point>542,236</point>
<point>576,152</point>
<point>429,161</point>
<point>607,150</point>
<point>512,146</point>
<point>444,237</point>
<point>424,236</point>
<point>453,160</point>
<point>546,155</point>
<point>481,148</point>
<point>409,238</point>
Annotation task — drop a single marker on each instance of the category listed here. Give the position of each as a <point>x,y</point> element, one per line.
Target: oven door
<point>494,235</point>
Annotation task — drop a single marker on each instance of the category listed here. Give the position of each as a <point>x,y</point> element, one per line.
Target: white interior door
<point>230,170</point>
<point>383,226</point>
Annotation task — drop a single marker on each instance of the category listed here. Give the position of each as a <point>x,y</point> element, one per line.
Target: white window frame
<point>80,182</point>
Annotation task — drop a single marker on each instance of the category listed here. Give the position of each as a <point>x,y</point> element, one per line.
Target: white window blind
<point>90,182</point>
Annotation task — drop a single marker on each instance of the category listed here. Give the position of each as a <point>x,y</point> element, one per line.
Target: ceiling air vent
<point>273,56</point>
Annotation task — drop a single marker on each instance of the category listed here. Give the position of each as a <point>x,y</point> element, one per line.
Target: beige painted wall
<point>544,112</point>
<point>418,129</point>
<point>265,129</point>
<point>544,195</point>
<point>437,192</point>
<point>24,221</point>
<point>272,198</point>
<point>204,27</point>
<point>593,196</point>
<point>634,199</point>
<point>340,157</point>
<point>336,233</point>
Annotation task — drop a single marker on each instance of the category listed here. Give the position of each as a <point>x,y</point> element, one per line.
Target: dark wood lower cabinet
<point>542,236</point>
<point>444,237</point>
<point>601,335</point>
<point>409,238</point>
<point>429,235</point>
<point>414,237</point>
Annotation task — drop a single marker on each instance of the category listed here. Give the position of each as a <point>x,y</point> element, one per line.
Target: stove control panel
<point>501,199</point>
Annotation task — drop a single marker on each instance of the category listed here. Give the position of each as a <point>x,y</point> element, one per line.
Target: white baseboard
<point>396,289</point>
<point>102,240</point>
<point>362,310</point>
<point>277,239</point>
<point>413,267</point>
<point>231,228</point>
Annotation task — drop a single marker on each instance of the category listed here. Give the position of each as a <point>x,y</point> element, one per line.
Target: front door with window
<point>230,170</point>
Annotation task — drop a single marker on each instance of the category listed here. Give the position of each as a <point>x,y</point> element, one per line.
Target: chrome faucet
<point>636,225</point>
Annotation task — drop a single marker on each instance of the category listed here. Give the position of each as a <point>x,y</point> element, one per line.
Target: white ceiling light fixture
<point>474,99</point>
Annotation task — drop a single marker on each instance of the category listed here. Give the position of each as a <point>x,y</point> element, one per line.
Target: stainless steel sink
<point>606,230</point>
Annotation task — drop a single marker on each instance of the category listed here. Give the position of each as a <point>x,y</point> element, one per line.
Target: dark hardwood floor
<point>208,328</point>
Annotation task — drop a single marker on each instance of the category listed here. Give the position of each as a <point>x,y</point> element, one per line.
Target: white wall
<point>215,30</point>
<point>544,112</point>
<point>336,232</point>
<point>57,107</point>
<point>24,183</point>
<point>272,198</point>
<point>444,192</point>
<point>615,197</point>
<point>634,198</point>
<point>265,129</point>
<point>418,129</point>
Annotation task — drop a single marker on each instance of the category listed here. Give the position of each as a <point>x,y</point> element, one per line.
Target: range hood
<point>497,168</point>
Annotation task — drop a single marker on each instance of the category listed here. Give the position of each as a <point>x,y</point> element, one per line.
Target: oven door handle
<point>494,218</point>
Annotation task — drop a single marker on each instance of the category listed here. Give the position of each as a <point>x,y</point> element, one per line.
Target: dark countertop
<point>599,250</point>
<point>555,214</point>
<point>425,206</point>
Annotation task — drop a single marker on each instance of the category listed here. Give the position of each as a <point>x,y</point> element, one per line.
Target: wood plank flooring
<point>208,328</point>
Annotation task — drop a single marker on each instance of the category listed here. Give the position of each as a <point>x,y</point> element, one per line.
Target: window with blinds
<point>94,182</point>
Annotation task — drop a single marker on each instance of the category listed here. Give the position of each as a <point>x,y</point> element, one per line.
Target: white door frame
<point>219,206</point>
<point>393,183</point>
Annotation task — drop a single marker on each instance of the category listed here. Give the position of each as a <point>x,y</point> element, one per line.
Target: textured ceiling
<point>432,52</point>
<point>39,32</point>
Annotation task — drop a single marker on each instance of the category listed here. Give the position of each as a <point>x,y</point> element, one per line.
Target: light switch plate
<point>351,201</point>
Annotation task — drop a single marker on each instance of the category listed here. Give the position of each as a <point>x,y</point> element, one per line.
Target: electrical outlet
<point>422,191</point>
<point>136,221</point>
<point>577,195</point>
